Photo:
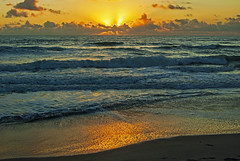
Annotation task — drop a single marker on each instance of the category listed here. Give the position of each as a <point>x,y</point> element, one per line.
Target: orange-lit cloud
<point>141,26</point>
<point>9,4</point>
<point>144,20</point>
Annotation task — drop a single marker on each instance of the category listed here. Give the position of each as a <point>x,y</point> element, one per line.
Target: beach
<point>99,133</point>
<point>184,148</point>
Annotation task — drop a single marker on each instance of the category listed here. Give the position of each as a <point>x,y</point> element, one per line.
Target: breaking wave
<point>135,62</point>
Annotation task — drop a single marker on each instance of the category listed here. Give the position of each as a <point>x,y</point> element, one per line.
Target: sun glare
<point>107,23</point>
<point>113,20</point>
<point>120,21</point>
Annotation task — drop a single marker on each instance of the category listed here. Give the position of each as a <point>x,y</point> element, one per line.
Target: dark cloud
<point>29,5</point>
<point>54,11</point>
<point>189,15</point>
<point>182,21</point>
<point>71,25</point>
<point>233,24</point>
<point>169,26</point>
<point>177,7</point>
<point>237,18</point>
<point>29,25</point>
<point>170,6</point>
<point>49,24</point>
<point>15,13</point>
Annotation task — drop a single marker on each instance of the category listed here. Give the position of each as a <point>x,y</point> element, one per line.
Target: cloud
<point>15,13</point>
<point>177,7</point>
<point>194,26</point>
<point>237,18</point>
<point>54,11</point>
<point>141,26</point>
<point>9,4</point>
<point>29,25</point>
<point>154,5</point>
<point>30,6</point>
<point>186,3</point>
<point>49,24</point>
<point>232,24</point>
<point>143,20</point>
<point>189,15</point>
<point>170,6</point>
<point>189,25</point>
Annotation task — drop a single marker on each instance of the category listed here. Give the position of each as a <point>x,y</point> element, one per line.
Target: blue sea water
<point>43,77</point>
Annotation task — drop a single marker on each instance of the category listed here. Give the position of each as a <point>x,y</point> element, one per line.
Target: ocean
<point>187,84</point>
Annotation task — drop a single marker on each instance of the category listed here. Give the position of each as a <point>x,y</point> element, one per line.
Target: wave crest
<point>135,62</point>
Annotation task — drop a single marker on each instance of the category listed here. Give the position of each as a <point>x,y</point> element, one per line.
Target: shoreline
<point>223,147</point>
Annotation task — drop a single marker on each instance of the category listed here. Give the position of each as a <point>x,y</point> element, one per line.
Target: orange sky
<point>115,12</point>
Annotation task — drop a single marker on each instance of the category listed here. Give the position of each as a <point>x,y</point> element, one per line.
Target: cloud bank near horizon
<point>141,26</point>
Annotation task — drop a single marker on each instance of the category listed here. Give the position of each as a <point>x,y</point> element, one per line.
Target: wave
<point>29,48</point>
<point>124,49</point>
<point>44,48</point>
<point>166,47</point>
<point>135,62</point>
<point>172,46</point>
<point>5,48</point>
<point>50,112</point>
<point>218,46</point>
<point>63,112</point>
<point>205,69</point>
<point>47,115</point>
<point>104,44</point>
<point>205,78</point>
<point>233,58</point>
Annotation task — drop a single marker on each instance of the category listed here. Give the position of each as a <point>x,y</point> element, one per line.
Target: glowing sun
<point>112,19</point>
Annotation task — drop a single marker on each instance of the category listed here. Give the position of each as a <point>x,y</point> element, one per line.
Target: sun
<point>113,20</point>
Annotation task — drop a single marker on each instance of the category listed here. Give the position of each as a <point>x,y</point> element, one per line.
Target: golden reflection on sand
<point>117,134</point>
<point>101,132</point>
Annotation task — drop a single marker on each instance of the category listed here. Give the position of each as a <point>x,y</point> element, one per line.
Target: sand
<point>184,148</point>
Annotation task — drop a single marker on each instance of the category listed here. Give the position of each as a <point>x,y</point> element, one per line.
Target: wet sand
<point>184,148</point>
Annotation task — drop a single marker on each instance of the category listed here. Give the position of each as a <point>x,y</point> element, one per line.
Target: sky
<point>120,17</point>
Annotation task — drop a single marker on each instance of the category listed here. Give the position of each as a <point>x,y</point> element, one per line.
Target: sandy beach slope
<point>185,148</point>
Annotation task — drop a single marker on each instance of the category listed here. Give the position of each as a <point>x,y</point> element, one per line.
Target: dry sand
<point>185,148</point>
